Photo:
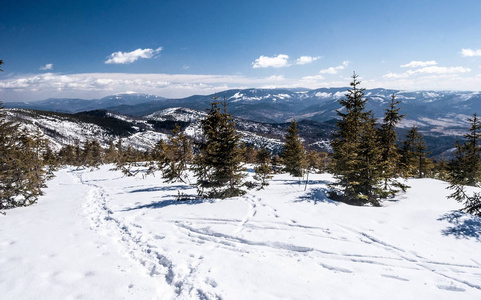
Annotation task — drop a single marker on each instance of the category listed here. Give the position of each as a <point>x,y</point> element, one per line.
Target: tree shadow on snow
<point>165,203</point>
<point>316,195</point>
<point>302,182</point>
<point>162,188</point>
<point>464,225</point>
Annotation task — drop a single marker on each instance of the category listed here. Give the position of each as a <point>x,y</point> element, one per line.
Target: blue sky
<point>176,48</point>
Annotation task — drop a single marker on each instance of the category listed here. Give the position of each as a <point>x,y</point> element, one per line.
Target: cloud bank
<point>95,85</point>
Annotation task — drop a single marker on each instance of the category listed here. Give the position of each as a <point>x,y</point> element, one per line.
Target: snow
<point>431,95</point>
<point>283,96</point>
<point>339,95</point>
<point>99,235</point>
<point>323,95</point>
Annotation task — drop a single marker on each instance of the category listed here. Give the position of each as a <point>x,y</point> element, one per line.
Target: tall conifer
<point>174,156</point>
<point>217,166</point>
<point>293,154</point>
<point>356,151</point>
<point>390,156</point>
<point>414,152</point>
<point>465,169</point>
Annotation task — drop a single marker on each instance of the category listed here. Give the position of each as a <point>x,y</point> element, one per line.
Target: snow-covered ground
<point>99,235</point>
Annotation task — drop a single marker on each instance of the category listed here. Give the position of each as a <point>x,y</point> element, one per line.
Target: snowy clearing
<point>99,235</point>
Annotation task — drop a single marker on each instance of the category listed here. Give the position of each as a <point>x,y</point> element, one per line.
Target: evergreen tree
<point>51,161</point>
<point>22,174</point>
<point>369,154</point>
<point>217,166</point>
<point>293,153</point>
<point>92,154</point>
<point>276,163</point>
<point>248,152</point>
<point>9,159</point>
<point>390,156</point>
<point>317,161</point>
<point>465,169</point>
<point>356,150</point>
<point>78,154</point>
<point>174,156</point>
<point>128,160</point>
<point>441,168</point>
<point>414,151</point>
<point>21,167</point>
<point>111,154</point>
<point>263,169</point>
<point>66,155</point>
<point>31,171</point>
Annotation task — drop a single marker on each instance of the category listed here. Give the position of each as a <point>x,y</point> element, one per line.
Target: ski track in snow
<point>420,262</point>
<point>135,244</point>
<point>239,237</point>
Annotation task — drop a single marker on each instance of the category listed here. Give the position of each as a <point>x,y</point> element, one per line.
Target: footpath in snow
<point>99,235</point>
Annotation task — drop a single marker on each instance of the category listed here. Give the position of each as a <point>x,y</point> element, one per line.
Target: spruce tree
<point>31,168</point>
<point>293,153</point>
<point>390,156</point>
<point>66,155</point>
<point>356,150</point>
<point>92,154</point>
<point>263,169</point>
<point>111,154</point>
<point>9,159</point>
<point>369,154</point>
<point>464,169</point>
<point>174,156</point>
<point>414,152</point>
<point>248,152</point>
<point>22,173</point>
<point>217,166</point>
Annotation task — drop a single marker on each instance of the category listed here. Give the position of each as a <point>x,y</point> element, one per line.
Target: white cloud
<point>97,85</point>
<point>313,78</point>
<point>47,67</point>
<point>417,64</point>
<point>391,75</point>
<point>335,70</point>
<point>470,52</point>
<point>428,70</point>
<point>278,61</point>
<point>129,57</point>
<point>306,60</point>
<point>442,70</point>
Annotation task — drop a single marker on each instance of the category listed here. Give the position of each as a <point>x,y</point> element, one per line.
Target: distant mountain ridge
<point>435,112</point>
<point>69,105</point>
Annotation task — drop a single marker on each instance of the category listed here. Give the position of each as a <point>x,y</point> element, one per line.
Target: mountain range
<point>262,115</point>
<point>436,113</point>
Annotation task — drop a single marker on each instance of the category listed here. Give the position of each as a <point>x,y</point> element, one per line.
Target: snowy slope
<point>144,133</point>
<point>64,129</point>
<point>119,237</point>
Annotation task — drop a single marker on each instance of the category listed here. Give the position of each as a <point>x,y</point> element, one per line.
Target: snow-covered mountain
<point>67,105</point>
<point>144,132</point>
<point>437,113</point>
